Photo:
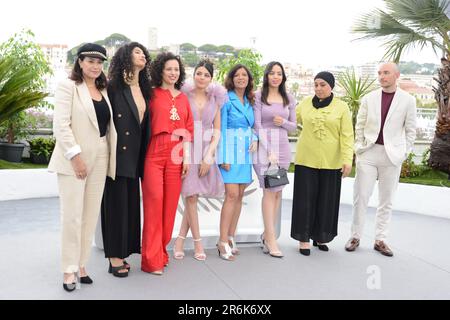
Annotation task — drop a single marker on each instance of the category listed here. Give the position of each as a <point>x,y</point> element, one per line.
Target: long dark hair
<point>229,84</point>
<point>281,88</point>
<point>157,67</point>
<point>77,75</point>
<point>121,68</point>
<point>208,65</point>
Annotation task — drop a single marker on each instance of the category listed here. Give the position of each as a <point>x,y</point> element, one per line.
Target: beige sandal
<point>199,256</point>
<point>178,254</point>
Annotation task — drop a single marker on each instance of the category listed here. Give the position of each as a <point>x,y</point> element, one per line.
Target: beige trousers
<point>80,202</point>
<point>371,165</point>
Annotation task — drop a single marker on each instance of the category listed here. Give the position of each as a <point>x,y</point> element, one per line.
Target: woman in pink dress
<point>204,178</point>
<point>274,118</point>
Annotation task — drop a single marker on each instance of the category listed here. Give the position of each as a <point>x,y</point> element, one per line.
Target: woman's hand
<point>204,169</point>
<point>253,147</point>
<point>278,121</point>
<point>79,167</point>
<point>346,169</point>
<point>226,166</point>
<point>185,170</point>
<point>273,159</point>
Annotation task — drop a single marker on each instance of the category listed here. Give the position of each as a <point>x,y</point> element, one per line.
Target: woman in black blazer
<point>129,91</point>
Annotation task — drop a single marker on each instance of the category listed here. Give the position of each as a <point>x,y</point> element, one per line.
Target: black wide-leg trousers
<point>121,217</point>
<point>315,208</point>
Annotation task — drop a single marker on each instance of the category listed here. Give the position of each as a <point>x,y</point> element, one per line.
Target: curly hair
<point>77,75</point>
<point>121,68</point>
<point>281,88</point>
<point>157,67</point>
<point>229,84</point>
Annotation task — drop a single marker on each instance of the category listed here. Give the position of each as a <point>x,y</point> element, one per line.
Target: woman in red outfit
<point>167,159</point>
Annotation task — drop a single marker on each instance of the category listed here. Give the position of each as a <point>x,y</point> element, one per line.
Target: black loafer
<point>321,247</point>
<point>305,252</point>
<point>86,280</point>
<point>69,287</point>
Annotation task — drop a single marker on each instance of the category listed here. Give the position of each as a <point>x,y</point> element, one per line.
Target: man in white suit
<point>384,135</point>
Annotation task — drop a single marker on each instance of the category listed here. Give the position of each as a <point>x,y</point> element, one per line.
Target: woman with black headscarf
<point>324,156</point>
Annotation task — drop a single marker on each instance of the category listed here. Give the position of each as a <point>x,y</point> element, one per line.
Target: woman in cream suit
<point>84,155</point>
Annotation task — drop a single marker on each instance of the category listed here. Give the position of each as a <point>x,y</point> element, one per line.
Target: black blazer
<point>132,136</point>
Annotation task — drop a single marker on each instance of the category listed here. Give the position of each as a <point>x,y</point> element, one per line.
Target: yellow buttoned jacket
<point>326,140</point>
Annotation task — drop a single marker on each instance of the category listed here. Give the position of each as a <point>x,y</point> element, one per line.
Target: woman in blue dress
<point>237,143</point>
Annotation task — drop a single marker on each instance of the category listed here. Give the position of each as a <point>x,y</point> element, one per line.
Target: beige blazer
<point>399,130</point>
<point>75,128</point>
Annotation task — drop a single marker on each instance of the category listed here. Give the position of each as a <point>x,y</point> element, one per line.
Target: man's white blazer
<point>399,130</point>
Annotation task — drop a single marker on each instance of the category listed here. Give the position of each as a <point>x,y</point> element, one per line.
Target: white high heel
<point>264,248</point>
<point>228,255</point>
<point>234,248</point>
<point>199,256</point>
<point>178,254</point>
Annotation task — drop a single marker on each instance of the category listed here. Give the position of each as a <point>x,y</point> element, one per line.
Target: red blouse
<point>160,106</point>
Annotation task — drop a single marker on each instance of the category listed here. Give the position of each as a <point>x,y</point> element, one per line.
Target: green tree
<point>408,24</point>
<point>295,90</point>
<point>225,48</point>
<point>410,67</point>
<point>355,88</point>
<point>188,47</point>
<point>208,48</point>
<point>190,59</point>
<point>22,48</point>
<point>115,40</point>
<point>22,69</point>
<point>247,57</point>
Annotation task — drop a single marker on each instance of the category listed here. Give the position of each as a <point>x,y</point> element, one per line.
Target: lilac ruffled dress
<point>210,185</point>
<point>272,138</point>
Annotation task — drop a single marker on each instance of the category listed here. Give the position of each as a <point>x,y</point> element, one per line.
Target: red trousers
<point>161,189</point>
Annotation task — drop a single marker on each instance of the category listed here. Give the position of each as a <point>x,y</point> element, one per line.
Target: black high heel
<point>321,247</point>
<point>115,271</point>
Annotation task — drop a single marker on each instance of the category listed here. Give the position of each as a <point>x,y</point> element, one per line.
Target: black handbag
<point>275,177</point>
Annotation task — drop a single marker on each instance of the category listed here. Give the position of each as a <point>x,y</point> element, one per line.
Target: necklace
<point>173,109</point>
<point>174,112</point>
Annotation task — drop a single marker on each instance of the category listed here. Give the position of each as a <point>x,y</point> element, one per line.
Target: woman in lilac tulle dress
<point>204,177</point>
<point>274,118</point>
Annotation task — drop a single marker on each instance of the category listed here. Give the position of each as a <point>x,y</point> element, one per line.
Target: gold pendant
<point>174,114</point>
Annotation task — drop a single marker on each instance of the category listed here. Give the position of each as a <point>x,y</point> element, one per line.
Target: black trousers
<point>315,209</point>
<point>121,217</point>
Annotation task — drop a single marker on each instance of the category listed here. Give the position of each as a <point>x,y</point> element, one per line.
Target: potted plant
<point>13,130</point>
<point>41,149</point>
<point>22,70</point>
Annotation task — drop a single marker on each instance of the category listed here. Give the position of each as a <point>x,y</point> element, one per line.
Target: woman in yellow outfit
<point>323,157</point>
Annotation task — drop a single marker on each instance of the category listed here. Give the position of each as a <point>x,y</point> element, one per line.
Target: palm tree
<point>15,92</point>
<point>407,24</point>
<point>355,88</point>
